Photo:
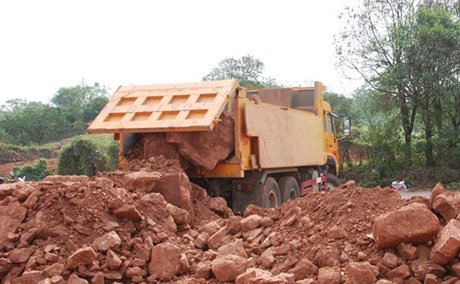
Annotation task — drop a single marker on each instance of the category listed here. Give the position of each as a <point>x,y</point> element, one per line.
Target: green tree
<point>247,69</point>
<point>25,123</point>
<point>33,122</point>
<point>371,44</point>
<point>80,104</point>
<point>433,57</point>
<point>81,157</point>
<point>36,171</point>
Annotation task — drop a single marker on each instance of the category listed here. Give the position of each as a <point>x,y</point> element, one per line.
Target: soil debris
<point>119,228</point>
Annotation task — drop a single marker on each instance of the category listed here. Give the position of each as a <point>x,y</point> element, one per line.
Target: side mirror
<point>346,126</point>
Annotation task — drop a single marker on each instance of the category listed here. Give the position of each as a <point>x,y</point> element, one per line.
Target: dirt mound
<point>85,224</point>
<point>123,226</point>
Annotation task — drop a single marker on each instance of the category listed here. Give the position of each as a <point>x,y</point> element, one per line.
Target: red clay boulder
<point>329,275</point>
<point>111,240</point>
<point>165,261</point>
<point>81,256</point>
<point>252,275</point>
<point>437,190</point>
<point>141,181</point>
<point>413,223</point>
<point>361,273</point>
<point>228,267</point>
<point>176,189</point>
<point>251,222</point>
<point>447,245</point>
<point>206,148</point>
<point>20,255</point>
<point>11,217</point>
<point>447,204</point>
<point>303,269</point>
<point>328,256</point>
<point>180,216</point>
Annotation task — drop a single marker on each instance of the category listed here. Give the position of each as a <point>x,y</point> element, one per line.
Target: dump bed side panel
<point>287,137</point>
<point>164,108</point>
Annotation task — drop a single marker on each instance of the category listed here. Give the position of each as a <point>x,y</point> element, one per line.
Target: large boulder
<point>206,149</point>
<point>421,267</point>
<point>303,269</point>
<point>361,273</point>
<point>328,256</point>
<point>165,261</point>
<point>251,222</point>
<point>228,267</point>
<point>20,255</point>
<point>11,217</point>
<point>82,256</point>
<point>141,181</point>
<point>413,223</point>
<point>447,245</point>
<point>236,247</point>
<point>180,216</point>
<point>329,275</point>
<point>176,189</point>
<point>447,204</point>
<point>111,240</point>
<point>437,190</point>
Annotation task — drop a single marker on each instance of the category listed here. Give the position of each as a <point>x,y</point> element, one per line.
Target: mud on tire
<point>271,197</point>
<point>289,188</point>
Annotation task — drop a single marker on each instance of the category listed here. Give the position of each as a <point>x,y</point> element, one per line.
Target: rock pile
<point>202,149</point>
<point>149,224</point>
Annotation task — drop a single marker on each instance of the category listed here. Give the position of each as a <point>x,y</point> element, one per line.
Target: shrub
<point>81,157</point>
<point>35,171</point>
<point>112,155</point>
<point>15,153</point>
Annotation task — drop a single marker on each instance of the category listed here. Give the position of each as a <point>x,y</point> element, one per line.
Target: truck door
<point>331,145</point>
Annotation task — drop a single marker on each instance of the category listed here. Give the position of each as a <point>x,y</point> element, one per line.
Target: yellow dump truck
<point>283,141</point>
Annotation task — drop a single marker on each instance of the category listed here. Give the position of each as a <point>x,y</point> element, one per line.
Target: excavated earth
<point>148,224</point>
<point>203,149</point>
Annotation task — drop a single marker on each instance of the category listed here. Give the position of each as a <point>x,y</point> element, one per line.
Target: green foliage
<point>26,123</point>
<point>85,157</point>
<point>13,153</point>
<point>247,69</point>
<point>37,171</point>
<point>409,55</point>
<point>108,146</point>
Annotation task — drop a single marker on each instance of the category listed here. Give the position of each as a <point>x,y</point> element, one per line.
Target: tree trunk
<point>429,147</point>
<point>407,119</point>
<point>427,122</point>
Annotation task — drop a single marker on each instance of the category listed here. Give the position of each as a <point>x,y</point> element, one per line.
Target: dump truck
<point>251,146</point>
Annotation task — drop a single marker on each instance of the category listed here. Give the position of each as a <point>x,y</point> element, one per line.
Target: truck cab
<point>331,144</point>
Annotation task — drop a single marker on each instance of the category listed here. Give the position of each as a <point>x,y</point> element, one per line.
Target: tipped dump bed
<point>165,108</point>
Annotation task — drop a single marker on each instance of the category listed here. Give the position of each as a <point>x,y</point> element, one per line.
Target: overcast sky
<point>50,44</point>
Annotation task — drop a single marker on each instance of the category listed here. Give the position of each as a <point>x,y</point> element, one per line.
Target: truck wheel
<point>271,194</point>
<point>331,181</point>
<point>289,188</point>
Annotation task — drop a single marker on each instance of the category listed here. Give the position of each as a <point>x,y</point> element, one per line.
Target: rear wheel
<point>289,188</point>
<point>331,181</point>
<point>270,194</point>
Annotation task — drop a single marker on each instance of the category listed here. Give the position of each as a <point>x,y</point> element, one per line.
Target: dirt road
<point>409,194</point>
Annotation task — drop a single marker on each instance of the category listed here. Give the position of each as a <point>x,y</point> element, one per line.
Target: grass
<point>416,177</point>
<point>16,153</point>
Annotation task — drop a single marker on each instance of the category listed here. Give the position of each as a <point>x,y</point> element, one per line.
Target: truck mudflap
<point>307,186</point>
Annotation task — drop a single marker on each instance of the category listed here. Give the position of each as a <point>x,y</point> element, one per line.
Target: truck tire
<point>270,194</point>
<point>289,188</point>
<point>331,181</point>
